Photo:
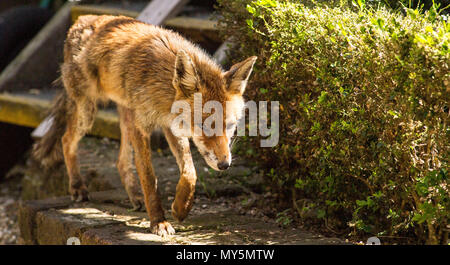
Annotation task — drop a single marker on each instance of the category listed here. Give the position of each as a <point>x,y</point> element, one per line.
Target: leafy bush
<point>424,4</point>
<point>364,97</point>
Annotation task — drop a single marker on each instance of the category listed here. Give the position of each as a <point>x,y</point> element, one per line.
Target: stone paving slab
<point>103,221</point>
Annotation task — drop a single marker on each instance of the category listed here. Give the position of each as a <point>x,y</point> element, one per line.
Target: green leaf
<point>321,213</point>
<point>361,203</point>
<point>323,97</point>
<point>249,23</point>
<point>251,9</point>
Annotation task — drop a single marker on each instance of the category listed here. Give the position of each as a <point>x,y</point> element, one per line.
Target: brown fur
<point>144,69</point>
<point>49,149</point>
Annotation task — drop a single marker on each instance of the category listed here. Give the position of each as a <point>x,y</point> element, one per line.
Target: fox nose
<point>223,165</point>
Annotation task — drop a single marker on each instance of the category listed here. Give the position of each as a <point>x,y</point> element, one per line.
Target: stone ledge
<point>105,220</point>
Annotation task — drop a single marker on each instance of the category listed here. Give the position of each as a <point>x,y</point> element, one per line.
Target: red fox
<point>144,69</point>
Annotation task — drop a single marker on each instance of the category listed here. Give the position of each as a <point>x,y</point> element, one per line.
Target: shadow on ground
<point>47,216</point>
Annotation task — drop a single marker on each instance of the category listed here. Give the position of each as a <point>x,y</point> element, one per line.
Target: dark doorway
<point>14,142</point>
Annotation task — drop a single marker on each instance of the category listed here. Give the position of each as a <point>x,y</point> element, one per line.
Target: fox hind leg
<point>81,110</point>
<point>79,122</point>
<point>125,161</point>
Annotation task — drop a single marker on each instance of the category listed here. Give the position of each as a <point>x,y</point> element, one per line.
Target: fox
<point>143,69</point>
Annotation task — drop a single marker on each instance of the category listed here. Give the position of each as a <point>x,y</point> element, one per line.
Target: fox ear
<point>185,76</point>
<point>238,75</point>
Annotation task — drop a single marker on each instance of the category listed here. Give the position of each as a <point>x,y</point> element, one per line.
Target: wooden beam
<point>195,29</point>
<point>22,110</point>
<point>80,10</point>
<point>159,10</point>
<point>30,112</point>
<point>192,23</point>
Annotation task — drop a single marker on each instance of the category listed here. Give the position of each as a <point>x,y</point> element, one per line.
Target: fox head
<point>193,77</point>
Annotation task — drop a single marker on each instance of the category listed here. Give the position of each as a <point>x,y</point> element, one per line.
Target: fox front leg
<point>141,145</point>
<point>184,197</point>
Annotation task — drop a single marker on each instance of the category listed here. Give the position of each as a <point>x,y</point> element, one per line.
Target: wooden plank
<point>159,10</point>
<point>196,29</point>
<point>30,112</point>
<point>21,110</point>
<point>80,10</point>
<point>191,23</point>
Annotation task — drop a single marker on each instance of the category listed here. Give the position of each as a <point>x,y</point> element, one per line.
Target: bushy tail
<point>48,149</point>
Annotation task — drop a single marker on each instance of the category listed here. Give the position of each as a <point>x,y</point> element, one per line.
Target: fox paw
<point>137,201</point>
<point>80,194</point>
<point>180,213</point>
<point>163,229</point>
<point>138,205</point>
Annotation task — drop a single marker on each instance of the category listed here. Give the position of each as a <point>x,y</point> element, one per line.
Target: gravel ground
<point>9,230</point>
<point>9,203</point>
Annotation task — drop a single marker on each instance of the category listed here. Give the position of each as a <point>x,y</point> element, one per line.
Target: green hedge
<point>364,97</point>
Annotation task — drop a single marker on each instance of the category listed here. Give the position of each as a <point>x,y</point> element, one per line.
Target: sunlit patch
<point>146,237</point>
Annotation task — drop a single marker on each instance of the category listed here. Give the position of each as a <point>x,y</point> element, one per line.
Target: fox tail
<point>48,149</point>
